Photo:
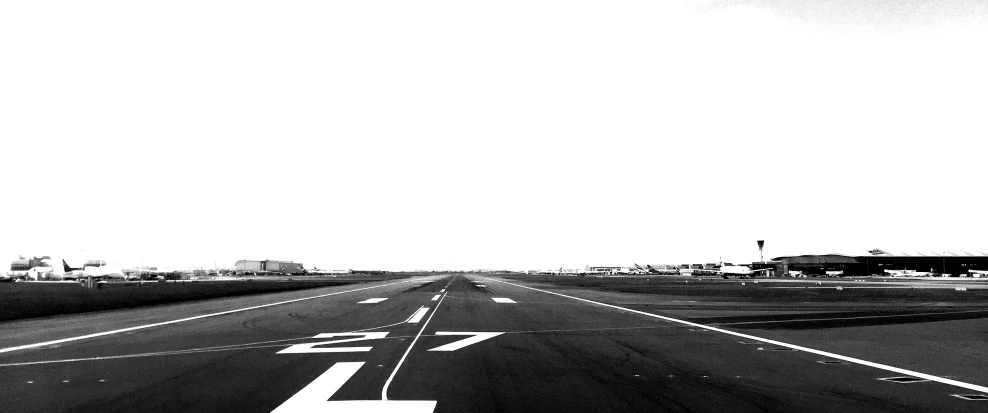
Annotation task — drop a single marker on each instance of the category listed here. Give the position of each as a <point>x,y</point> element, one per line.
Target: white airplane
<point>907,273</point>
<point>977,273</point>
<point>59,270</point>
<point>741,271</point>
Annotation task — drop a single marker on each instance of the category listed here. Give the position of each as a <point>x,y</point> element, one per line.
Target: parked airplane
<point>741,271</point>
<point>977,273</point>
<point>53,270</point>
<point>908,273</point>
<point>638,269</point>
<point>662,269</point>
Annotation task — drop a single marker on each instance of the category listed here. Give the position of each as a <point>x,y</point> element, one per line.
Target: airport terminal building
<point>880,262</point>
<point>268,266</point>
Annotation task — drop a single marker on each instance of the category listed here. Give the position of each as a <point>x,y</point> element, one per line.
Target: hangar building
<point>876,262</point>
<point>268,266</point>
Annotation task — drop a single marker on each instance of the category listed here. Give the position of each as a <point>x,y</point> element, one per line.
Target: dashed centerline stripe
<point>503,300</point>
<point>372,301</point>
<point>435,298</point>
<point>930,377</point>
<point>418,315</point>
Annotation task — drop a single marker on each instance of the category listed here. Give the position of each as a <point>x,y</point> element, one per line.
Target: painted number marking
<point>310,347</point>
<point>314,397</point>
<point>456,345</point>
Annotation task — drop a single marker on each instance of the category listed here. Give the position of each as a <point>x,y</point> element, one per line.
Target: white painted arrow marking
<point>314,397</point>
<point>308,347</point>
<point>372,301</point>
<point>456,345</point>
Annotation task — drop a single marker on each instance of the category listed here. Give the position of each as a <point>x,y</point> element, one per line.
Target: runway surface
<point>472,343</point>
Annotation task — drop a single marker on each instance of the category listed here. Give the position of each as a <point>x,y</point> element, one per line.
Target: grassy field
<point>778,290</point>
<point>785,303</point>
<point>27,299</point>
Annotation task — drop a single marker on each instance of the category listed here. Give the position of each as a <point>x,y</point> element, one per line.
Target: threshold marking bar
<point>313,397</point>
<point>893,369</point>
<point>418,315</point>
<point>321,389</point>
<point>181,320</point>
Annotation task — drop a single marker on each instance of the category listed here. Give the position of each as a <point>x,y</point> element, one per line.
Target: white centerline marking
<point>384,391</point>
<point>435,298</point>
<point>372,301</point>
<point>181,320</point>
<point>442,290</point>
<point>930,377</point>
<point>503,300</point>
<point>418,315</point>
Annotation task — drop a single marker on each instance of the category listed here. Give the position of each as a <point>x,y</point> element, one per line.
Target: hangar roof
<point>927,253</point>
<point>900,253</point>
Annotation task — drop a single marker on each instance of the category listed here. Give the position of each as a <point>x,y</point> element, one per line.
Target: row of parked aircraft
<point>740,271</point>
<point>54,269</point>
<point>914,273</point>
<point>57,269</point>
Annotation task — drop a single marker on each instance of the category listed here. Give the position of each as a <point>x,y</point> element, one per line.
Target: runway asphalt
<point>473,343</point>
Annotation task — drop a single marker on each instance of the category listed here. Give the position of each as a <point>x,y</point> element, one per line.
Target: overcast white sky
<point>507,134</point>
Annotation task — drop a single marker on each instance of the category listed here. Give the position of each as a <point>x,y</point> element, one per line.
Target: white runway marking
<point>435,298</point>
<point>314,397</point>
<point>310,347</point>
<point>503,300</point>
<point>848,318</point>
<point>456,345</point>
<point>930,377</point>
<point>372,301</point>
<point>418,315</point>
<point>442,290</point>
<point>181,320</point>
<point>384,391</point>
